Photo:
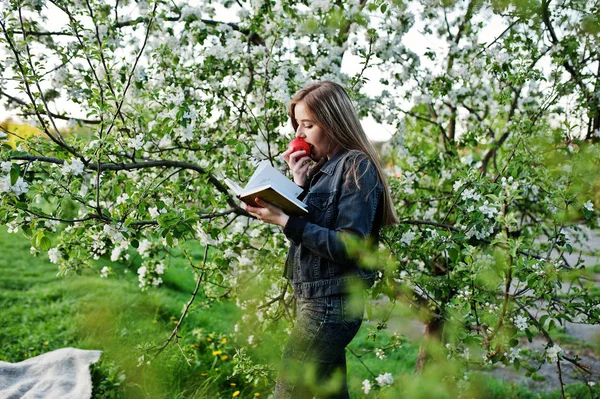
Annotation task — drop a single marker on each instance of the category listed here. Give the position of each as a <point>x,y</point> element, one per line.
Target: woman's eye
<point>308,127</point>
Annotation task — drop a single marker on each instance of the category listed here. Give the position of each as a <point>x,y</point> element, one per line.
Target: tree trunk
<point>433,332</point>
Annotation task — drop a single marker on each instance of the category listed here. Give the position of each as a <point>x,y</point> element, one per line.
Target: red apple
<point>298,144</point>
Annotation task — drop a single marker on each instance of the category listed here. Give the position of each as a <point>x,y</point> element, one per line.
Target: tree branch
<point>135,166</point>
<point>185,309</point>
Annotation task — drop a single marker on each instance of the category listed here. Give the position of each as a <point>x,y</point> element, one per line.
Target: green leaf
<point>529,335</point>
<point>513,342</point>
<point>45,243</point>
<point>453,254</point>
<point>240,148</point>
<point>169,239</point>
<point>37,240</point>
<point>14,174</point>
<point>517,364</point>
<point>569,248</point>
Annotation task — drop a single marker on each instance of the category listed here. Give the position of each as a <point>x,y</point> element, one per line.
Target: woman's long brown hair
<point>332,110</point>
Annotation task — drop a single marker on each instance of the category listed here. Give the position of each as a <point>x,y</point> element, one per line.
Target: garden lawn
<point>41,312</point>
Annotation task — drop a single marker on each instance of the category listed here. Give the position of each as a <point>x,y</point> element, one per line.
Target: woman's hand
<point>267,212</point>
<point>298,164</point>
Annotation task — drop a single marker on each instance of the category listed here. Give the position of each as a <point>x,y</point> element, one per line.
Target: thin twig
<point>174,335</point>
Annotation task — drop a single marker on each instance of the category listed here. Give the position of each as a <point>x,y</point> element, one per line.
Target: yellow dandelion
<point>256,394</point>
<point>208,339</point>
<point>224,341</point>
<point>232,384</point>
<point>225,357</point>
<point>236,393</point>
<point>46,343</point>
<point>215,353</point>
<point>203,374</point>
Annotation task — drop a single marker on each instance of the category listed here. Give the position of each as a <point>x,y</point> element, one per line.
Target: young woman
<point>347,195</point>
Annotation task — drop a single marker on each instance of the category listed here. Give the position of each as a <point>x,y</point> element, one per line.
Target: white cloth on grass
<point>63,373</point>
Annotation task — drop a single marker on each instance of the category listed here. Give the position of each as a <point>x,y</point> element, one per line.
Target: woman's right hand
<point>299,165</point>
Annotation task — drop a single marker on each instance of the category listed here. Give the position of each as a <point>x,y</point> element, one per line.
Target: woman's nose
<point>300,132</point>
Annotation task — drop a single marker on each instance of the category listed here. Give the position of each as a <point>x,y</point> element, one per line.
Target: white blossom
<point>160,268</point>
<point>116,254</point>
<point>553,353</point>
<point>104,272</point>
<point>502,57</point>
<point>137,142</point>
<point>488,209</point>
<point>75,167</point>
<point>407,237</point>
<point>589,206</point>
<point>514,354</point>
<point>13,227</point>
<point>5,185</point>
<point>142,270</point>
<point>121,199</point>
<point>385,379</point>
<point>245,261</point>
<point>20,187</point>
<point>366,386</point>
<point>154,212</point>
<point>320,5</point>
<point>520,322</point>
<point>157,281</point>
<point>143,248</point>
<point>458,184</point>
<point>470,193</point>
<point>380,353</point>
<point>54,255</point>
<point>6,166</point>
<point>114,234</point>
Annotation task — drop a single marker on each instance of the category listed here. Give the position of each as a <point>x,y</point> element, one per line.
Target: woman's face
<point>312,134</point>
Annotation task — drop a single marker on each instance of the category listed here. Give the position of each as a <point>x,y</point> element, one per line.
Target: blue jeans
<point>314,359</point>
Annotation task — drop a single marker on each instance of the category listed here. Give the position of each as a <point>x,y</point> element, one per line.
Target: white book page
<point>233,186</point>
<point>266,174</point>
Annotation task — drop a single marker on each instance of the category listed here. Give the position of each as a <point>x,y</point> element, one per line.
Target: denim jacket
<point>317,262</point>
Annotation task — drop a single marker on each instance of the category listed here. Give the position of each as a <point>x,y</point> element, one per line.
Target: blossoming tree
<point>493,165</point>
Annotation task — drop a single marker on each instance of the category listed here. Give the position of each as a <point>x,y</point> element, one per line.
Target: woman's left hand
<point>267,212</point>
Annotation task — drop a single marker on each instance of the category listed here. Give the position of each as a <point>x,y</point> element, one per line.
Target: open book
<point>270,185</point>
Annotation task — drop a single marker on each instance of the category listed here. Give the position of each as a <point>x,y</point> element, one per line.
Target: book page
<point>266,174</point>
<point>233,186</point>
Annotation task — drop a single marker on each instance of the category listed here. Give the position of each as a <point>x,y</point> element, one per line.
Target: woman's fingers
<point>295,155</point>
<point>286,154</point>
<point>301,164</point>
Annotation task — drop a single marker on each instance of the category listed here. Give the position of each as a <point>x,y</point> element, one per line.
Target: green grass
<point>42,312</point>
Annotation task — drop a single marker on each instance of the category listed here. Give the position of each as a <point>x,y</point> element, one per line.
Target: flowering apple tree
<point>145,106</point>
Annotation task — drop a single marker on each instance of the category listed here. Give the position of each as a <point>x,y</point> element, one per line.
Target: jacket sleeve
<point>356,213</point>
